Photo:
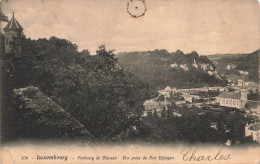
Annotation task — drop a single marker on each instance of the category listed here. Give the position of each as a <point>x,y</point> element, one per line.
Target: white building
<point>174,90</point>
<point>204,89</point>
<point>184,67</point>
<point>149,106</point>
<point>253,130</point>
<point>221,89</point>
<point>233,99</point>
<point>174,65</point>
<point>190,98</point>
<point>230,66</point>
<point>167,90</point>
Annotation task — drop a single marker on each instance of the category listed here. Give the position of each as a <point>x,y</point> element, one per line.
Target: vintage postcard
<point>129,81</point>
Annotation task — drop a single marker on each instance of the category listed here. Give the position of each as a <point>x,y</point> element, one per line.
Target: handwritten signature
<point>191,155</point>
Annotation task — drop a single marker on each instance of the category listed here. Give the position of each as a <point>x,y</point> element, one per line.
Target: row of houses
<point>228,99</point>
<point>236,99</point>
<point>167,90</point>
<point>152,104</point>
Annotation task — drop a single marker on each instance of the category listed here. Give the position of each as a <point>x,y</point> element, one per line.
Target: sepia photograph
<point>129,81</point>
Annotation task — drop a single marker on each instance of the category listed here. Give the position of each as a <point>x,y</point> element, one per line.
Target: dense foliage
<point>154,68</point>
<point>92,88</point>
<point>193,127</point>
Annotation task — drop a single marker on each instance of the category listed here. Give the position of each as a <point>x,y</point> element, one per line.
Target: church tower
<point>244,93</point>
<point>13,34</point>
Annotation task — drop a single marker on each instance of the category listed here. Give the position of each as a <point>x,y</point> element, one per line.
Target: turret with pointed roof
<point>13,33</point>
<point>13,25</point>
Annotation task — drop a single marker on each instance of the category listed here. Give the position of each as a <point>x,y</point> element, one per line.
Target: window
<point>230,102</point>
<point>223,101</point>
<point>226,101</point>
<point>234,102</point>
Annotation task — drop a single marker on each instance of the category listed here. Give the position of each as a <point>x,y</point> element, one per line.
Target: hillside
<point>236,65</point>
<point>160,68</point>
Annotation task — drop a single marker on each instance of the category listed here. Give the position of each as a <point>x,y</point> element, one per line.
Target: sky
<point>206,26</point>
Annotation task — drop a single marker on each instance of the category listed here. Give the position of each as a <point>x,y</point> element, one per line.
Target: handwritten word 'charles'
<point>191,155</point>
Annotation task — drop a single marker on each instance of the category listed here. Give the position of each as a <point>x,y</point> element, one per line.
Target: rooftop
<point>13,25</point>
<point>255,127</point>
<point>232,95</point>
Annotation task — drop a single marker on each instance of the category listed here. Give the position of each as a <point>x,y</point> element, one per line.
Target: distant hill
<point>160,68</point>
<point>216,57</point>
<point>237,64</point>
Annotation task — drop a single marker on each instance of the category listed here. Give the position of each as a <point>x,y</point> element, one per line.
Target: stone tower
<point>13,34</point>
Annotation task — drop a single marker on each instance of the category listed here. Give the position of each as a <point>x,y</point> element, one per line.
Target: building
<point>206,67</point>
<point>221,89</point>
<point>253,130</point>
<point>233,99</point>
<point>12,37</point>
<point>190,98</point>
<point>184,67</point>
<point>230,66</point>
<point>174,90</point>
<point>241,83</point>
<point>174,65</point>
<point>151,105</point>
<point>253,108</point>
<point>204,89</point>
<point>167,90</point>
<point>252,86</point>
<point>214,125</point>
<point>195,64</point>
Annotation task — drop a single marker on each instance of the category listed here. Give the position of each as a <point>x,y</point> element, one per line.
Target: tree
<point>85,53</point>
<point>101,97</point>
